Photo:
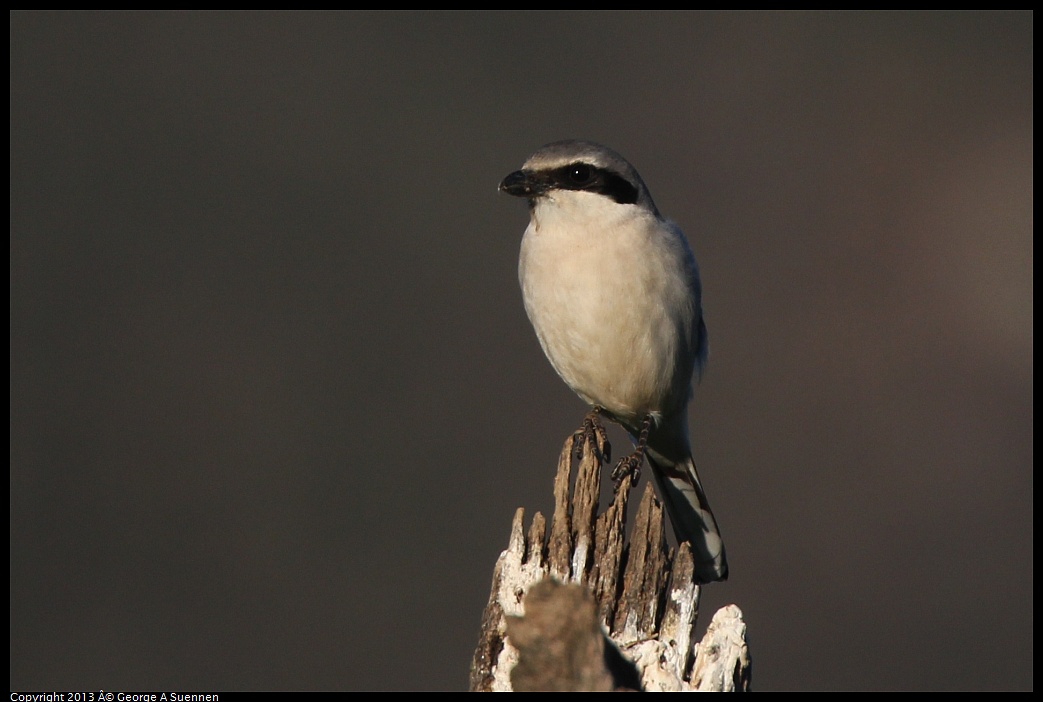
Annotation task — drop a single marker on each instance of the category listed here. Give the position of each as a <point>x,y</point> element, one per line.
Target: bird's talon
<point>629,466</point>
<point>592,431</point>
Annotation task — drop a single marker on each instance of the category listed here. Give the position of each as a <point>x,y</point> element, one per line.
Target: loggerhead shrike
<point>613,291</point>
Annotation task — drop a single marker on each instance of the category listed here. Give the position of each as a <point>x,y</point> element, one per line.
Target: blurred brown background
<point>274,398</point>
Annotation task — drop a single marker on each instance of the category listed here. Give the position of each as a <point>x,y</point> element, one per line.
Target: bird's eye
<point>580,173</point>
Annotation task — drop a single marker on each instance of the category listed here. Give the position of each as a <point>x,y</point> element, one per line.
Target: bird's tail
<point>686,503</point>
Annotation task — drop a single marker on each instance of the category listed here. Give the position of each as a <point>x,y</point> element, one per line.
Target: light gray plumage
<point>613,291</point>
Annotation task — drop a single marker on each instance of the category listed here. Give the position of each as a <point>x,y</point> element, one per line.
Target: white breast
<point>613,294</point>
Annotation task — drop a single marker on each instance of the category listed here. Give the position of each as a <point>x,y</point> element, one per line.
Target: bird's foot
<point>592,431</point>
<point>631,465</point>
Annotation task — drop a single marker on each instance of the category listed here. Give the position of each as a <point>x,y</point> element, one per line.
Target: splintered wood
<point>642,595</point>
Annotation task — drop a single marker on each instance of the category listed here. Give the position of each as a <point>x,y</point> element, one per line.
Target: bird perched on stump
<point>613,292</point>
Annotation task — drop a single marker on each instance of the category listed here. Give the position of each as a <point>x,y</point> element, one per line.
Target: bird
<point>613,292</point>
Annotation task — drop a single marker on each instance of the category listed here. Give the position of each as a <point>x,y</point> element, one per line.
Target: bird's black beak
<point>524,184</point>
